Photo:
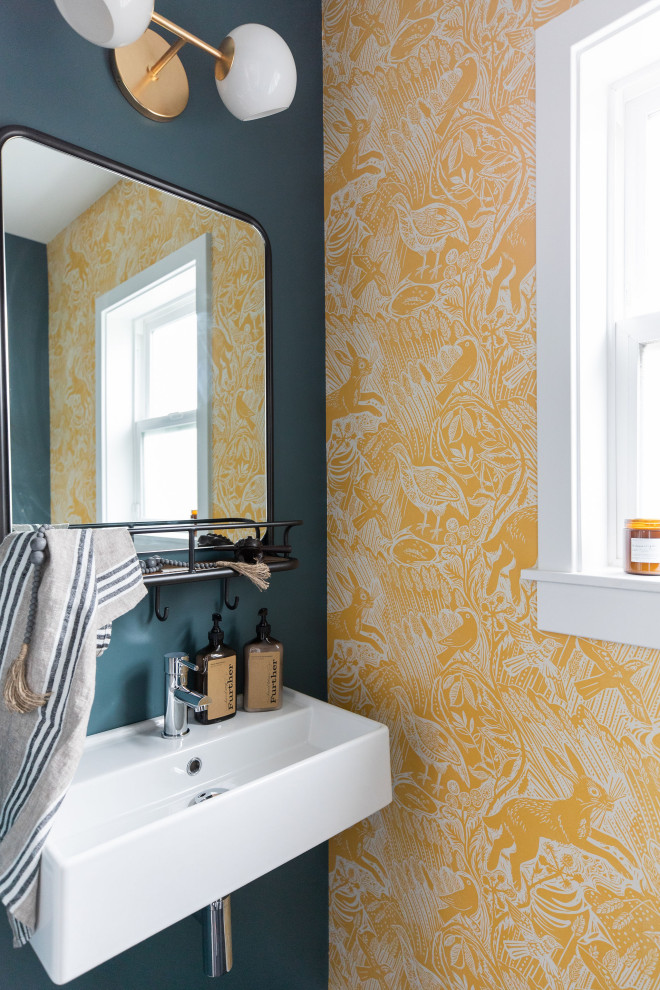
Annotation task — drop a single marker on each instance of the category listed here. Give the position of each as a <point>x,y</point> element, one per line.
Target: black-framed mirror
<point>136,326</point>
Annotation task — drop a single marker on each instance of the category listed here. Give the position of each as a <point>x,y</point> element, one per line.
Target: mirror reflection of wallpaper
<point>126,231</point>
<point>522,848</point>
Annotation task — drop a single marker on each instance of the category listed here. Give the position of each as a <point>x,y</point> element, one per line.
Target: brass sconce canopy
<point>254,69</point>
<point>151,75</point>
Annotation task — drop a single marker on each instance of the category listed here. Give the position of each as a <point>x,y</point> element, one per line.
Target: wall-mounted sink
<point>116,867</point>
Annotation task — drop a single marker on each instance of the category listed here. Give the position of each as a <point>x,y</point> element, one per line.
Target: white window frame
<point>578,591</point>
<point>197,252</point>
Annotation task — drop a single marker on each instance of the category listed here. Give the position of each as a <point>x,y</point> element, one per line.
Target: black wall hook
<point>227,603</point>
<point>160,615</point>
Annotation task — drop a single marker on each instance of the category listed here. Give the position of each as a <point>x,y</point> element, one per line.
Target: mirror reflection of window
<point>152,391</point>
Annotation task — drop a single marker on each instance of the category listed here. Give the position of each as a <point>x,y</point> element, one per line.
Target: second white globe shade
<point>262,78</point>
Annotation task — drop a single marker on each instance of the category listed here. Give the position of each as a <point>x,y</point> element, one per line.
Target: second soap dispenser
<point>216,676</point>
<point>263,670</point>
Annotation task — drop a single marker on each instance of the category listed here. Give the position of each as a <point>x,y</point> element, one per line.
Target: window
<point>635,121</point>
<point>152,391</point>
<point>598,249</point>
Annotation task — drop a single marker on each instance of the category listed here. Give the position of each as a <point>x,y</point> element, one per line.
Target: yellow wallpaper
<point>126,231</point>
<point>522,849</point>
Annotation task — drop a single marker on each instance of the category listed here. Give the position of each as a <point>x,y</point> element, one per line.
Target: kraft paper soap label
<point>264,677</point>
<point>222,687</point>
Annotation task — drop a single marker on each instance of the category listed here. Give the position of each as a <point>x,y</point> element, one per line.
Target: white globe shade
<point>109,23</point>
<point>262,78</point>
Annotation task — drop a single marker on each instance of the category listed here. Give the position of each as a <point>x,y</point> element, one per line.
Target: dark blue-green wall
<point>54,81</point>
<point>26,271</point>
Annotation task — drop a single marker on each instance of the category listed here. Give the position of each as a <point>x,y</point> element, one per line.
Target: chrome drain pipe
<point>216,937</point>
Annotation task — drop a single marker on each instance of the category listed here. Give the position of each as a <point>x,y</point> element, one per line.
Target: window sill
<point>608,605</point>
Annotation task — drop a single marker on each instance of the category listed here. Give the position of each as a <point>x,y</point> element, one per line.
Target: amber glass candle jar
<point>641,546</point>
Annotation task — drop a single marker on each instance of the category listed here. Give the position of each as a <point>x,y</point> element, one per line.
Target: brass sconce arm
<point>157,67</point>
<point>186,37</point>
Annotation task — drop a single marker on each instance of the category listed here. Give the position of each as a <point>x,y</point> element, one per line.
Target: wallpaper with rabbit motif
<point>522,848</point>
<point>100,250</point>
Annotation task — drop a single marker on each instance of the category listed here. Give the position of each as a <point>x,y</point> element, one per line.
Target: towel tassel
<point>19,696</point>
<point>258,573</point>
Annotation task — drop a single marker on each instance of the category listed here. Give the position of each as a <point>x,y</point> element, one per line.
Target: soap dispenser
<point>216,676</point>
<point>263,657</point>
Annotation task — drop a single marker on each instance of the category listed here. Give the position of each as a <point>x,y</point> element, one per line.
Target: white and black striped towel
<point>90,577</point>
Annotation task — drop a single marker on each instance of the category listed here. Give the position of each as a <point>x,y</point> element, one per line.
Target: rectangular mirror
<point>136,366</point>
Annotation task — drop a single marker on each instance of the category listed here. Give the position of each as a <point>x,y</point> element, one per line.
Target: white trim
<point>611,577</point>
<point>620,608</point>
<point>576,592</point>
<point>557,475</point>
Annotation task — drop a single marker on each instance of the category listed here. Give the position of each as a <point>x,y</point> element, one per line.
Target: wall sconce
<point>254,69</point>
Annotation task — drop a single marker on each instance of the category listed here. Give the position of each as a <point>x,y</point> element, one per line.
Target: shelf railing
<point>270,544</point>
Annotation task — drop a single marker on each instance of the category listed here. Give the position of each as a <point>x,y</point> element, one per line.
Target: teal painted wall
<point>53,81</point>
<point>26,270</point>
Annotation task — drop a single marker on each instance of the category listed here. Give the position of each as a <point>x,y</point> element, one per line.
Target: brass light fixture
<point>254,69</point>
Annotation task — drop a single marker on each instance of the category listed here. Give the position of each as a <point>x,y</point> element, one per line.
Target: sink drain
<point>207,795</point>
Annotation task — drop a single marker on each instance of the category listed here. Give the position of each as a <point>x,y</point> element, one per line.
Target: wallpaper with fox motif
<point>130,228</point>
<point>522,848</point>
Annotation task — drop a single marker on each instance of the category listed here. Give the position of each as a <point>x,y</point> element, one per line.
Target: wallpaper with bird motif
<point>522,847</point>
<point>126,231</point>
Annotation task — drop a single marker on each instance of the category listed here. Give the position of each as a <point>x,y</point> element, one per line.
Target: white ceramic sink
<point>131,853</point>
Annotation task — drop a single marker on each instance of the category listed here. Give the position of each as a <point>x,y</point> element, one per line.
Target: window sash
<point>143,332</point>
<point>151,427</point>
<point>631,336</point>
<point>641,100</point>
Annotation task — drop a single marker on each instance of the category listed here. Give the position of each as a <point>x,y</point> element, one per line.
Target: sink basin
<point>123,859</point>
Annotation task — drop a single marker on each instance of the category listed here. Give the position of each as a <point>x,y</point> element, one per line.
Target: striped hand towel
<point>89,578</point>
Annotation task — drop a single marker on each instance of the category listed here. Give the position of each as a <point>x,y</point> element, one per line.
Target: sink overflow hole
<point>194,766</point>
<point>206,795</point>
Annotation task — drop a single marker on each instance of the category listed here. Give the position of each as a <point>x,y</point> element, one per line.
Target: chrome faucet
<point>178,696</point>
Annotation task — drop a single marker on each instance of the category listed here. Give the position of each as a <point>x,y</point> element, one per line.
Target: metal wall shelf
<point>206,563</point>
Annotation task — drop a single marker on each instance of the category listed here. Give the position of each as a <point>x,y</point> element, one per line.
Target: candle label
<point>644,551</point>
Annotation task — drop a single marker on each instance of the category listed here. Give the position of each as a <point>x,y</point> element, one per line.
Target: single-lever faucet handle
<point>173,662</point>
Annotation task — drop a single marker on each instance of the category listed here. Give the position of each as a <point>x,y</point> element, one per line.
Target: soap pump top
<point>216,635</point>
<point>263,628</point>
